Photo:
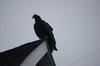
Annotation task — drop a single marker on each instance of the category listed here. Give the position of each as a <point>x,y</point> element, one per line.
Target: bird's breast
<point>40,31</point>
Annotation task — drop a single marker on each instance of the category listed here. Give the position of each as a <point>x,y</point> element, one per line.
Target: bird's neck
<point>37,20</point>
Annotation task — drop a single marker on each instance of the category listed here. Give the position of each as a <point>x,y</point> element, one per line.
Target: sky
<point>76,25</point>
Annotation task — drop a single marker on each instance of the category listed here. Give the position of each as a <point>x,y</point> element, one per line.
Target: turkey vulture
<point>44,31</point>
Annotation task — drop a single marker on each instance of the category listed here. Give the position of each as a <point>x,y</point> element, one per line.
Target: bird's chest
<point>40,30</point>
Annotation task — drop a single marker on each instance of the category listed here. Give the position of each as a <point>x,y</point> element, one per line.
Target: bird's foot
<point>45,38</point>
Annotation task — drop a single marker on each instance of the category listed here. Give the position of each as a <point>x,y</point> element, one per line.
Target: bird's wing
<point>47,26</point>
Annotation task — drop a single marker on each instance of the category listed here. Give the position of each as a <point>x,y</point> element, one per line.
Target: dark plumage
<point>44,31</point>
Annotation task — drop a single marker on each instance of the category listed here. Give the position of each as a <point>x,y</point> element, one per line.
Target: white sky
<point>76,26</point>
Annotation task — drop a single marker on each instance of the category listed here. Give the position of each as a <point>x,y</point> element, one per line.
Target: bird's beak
<point>32,17</point>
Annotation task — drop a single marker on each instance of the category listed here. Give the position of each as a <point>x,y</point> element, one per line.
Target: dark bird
<point>44,31</point>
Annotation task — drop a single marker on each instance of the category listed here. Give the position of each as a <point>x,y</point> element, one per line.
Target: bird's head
<point>35,16</point>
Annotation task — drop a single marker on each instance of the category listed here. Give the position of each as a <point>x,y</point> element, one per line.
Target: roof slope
<point>14,57</point>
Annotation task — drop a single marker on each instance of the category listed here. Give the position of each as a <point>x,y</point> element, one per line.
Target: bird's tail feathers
<point>55,49</point>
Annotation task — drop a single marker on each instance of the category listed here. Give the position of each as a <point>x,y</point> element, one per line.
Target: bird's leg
<point>45,38</point>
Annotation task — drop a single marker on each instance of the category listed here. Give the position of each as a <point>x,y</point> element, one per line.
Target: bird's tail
<point>52,42</point>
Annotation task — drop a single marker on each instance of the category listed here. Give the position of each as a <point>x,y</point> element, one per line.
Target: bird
<point>44,31</point>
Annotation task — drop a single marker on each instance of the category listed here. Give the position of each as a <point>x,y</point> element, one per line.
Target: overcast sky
<point>76,26</point>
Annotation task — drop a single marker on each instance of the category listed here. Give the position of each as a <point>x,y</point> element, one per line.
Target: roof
<point>15,56</point>
<point>46,60</point>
